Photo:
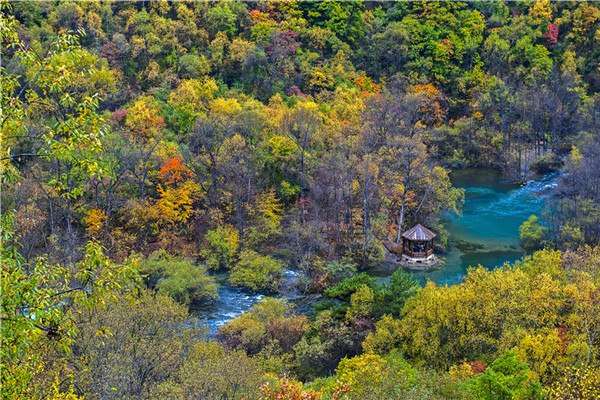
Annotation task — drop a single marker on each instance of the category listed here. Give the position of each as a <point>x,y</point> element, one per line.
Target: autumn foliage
<point>154,150</point>
<point>173,171</point>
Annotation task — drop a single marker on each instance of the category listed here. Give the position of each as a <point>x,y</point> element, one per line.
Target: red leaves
<point>295,91</point>
<point>174,171</point>
<point>477,367</point>
<point>119,115</point>
<point>283,45</point>
<point>551,35</point>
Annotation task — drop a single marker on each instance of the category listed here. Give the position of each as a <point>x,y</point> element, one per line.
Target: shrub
<point>269,324</point>
<point>546,164</point>
<point>256,271</point>
<point>178,278</point>
<point>337,272</point>
<point>506,378</point>
<point>344,290</point>
<point>210,372</point>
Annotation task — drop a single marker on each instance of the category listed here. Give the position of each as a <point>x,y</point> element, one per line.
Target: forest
<point>154,151</point>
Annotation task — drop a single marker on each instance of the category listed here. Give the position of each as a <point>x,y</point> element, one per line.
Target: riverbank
<point>487,233</point>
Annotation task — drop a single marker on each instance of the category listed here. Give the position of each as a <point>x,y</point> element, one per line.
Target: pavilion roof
<point>419,232</point>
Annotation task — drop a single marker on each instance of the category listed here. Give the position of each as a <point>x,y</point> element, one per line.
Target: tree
<point>288,389</point>
<point>178,278</point>
<point>131,345</point>
<point>40,301</point>
<point>223,244</point>
<point>211,372</point>
<point>532,234</point>
<point>302,123</point>
<point>507,378</point>
<point>144,136</point>
<point>239,171</point>
<point>50,91</point>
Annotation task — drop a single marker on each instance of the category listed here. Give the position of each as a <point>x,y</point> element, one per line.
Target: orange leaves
<point>174,171</point>
<point>432,111</point>
<point>258,16</point>
<point>428,89</point>
<point>366,85</point>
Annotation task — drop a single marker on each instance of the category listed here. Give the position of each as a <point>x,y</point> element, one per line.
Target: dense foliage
<point>148,147</point>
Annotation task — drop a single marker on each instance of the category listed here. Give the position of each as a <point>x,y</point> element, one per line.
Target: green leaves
<point>506,379</point>
<point>37,306</point>
<point>256,272</point>
<point>178,278</point>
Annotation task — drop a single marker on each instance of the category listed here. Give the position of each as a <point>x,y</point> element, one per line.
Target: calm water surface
<point>487,232</point>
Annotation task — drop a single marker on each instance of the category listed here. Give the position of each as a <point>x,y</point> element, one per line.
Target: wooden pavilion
<point>417,244</point>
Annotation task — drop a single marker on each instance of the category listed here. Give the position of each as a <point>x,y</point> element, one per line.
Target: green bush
<point>256,272</point>
<point>344,290</point>
<point>337,272</point>
<point>178,278</point>
<point>507,378</point>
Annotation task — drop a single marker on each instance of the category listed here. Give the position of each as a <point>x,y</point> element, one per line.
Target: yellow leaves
<point>138,44</point>
<point>569,65</point>
<point>542,352</point>
<point>575,157</point>
<point>143,118</point>
<point>269,208</point>
<point>541,11</point>
<point>276,101</point>
<point>289,389</point>
<point>479,315</point>
<point>225,107</point>
<point>95,220</point>
<point>361,303</point>
<point>175,204</point>
<point>576,383</point>
<point>361,371</point>
<point>461,372</point>
<point>386,335</point>
<point>320,80</point>
<point>193,93</point>
<point>282,147</point>
<point>368,168</point>
<point>355,185</point>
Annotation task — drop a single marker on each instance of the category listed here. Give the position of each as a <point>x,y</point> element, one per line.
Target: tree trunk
<point>401,218</point>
